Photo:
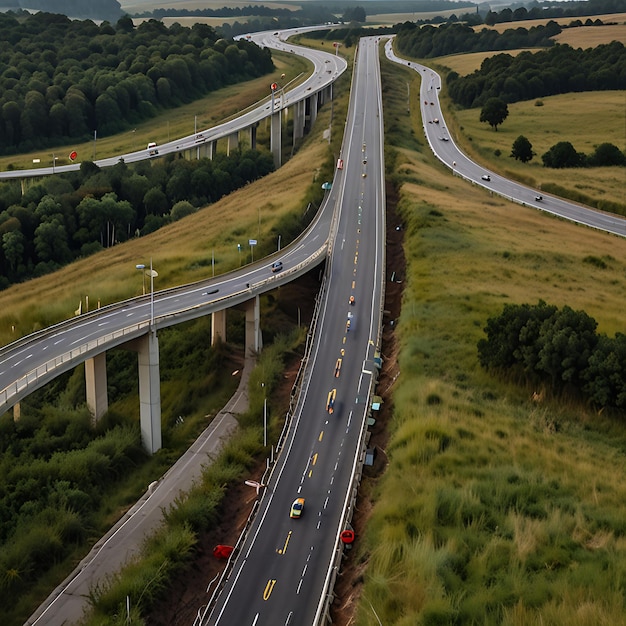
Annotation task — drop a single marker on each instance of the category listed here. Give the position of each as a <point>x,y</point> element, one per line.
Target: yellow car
<point>297,508</point>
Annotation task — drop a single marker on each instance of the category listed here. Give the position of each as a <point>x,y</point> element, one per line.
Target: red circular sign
<point>73,155</point>
<point>274,86</point>
<point>347,536</point>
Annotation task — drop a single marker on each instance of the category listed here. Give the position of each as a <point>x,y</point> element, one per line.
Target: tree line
<point>559,349</point>
<point>423,42</point>
<point>554,11</point>
<point>68,216</point>
<point>61,80</point>
<point>561,69</point>
<point>94,9</point>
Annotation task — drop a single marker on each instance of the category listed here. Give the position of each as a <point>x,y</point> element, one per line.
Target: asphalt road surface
<point>282,570</point>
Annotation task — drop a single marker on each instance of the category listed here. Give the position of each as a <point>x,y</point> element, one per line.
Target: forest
<point>558,70</point>
<point>68,216</point>
<point>61,80</point>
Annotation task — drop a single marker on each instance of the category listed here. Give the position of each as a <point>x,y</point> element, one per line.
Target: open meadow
<point>493,509</point>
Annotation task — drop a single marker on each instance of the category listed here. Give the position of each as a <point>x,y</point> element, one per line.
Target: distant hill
<point>82,9</point>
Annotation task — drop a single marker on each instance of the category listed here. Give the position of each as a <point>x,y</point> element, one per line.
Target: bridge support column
<point>253,135</point>
<point>233,142</point>
<point>218,326</point>
<point>312,109</point>
<point>254,340</point>
<point>298,120</point>
<point>96,385</point>
<point>149,392</point>
<point>17,412</point>
<point>276,138</point>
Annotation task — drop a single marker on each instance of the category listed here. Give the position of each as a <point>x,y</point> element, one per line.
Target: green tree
<point>607,154</point>
<point>13,248</point>
<point>182,209</point>
<point>494,112</point>
<point>562,154</point>
<point>522,149</point>
<point>566,342</point>
<point>51,242</point>
<point>156,201</point>
<point>605,376</point>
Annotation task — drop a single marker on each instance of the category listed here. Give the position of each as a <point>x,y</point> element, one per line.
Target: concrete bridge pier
<point>254,339</point>
<point>218,326</point>
<point>96,385</point>
<point>276,139</point>
<point>149,391</point>
<point>298,120</point>
<point>233,142</point>
<point>313,103</point>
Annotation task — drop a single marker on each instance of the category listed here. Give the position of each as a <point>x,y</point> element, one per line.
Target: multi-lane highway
<point>444,147</point>
<point>284,565</point>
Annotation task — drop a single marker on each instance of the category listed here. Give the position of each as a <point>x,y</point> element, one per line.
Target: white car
<point>486,177</point>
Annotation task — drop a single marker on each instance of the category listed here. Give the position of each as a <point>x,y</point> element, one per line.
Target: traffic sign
<point>274,86</point>
<point>252,242</point>
<point>73,155</point>
<point>347,536</point>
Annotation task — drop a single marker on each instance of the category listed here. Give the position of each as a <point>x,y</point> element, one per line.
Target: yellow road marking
<point>284,548</point>
<point>321,435</point>
<point>314,459</point>
<point>269,588</point>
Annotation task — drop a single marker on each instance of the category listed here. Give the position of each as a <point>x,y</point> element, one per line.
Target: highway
<point>283,567</point>
<point>445,149</point>
<point>31,362</point>
<point>327,68</point>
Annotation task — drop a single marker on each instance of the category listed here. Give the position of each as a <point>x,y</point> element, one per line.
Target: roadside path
<point>68,603</point>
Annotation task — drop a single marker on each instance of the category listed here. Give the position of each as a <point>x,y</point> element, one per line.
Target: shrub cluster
<point>558,348</point>
<point>54,469</point>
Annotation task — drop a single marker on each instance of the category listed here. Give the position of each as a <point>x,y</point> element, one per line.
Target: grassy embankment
<point>493,509</point>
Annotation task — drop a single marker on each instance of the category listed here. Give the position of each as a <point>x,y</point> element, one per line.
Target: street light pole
<point>151,296</point>
<point>264,415</point>
<point>142,267</point>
